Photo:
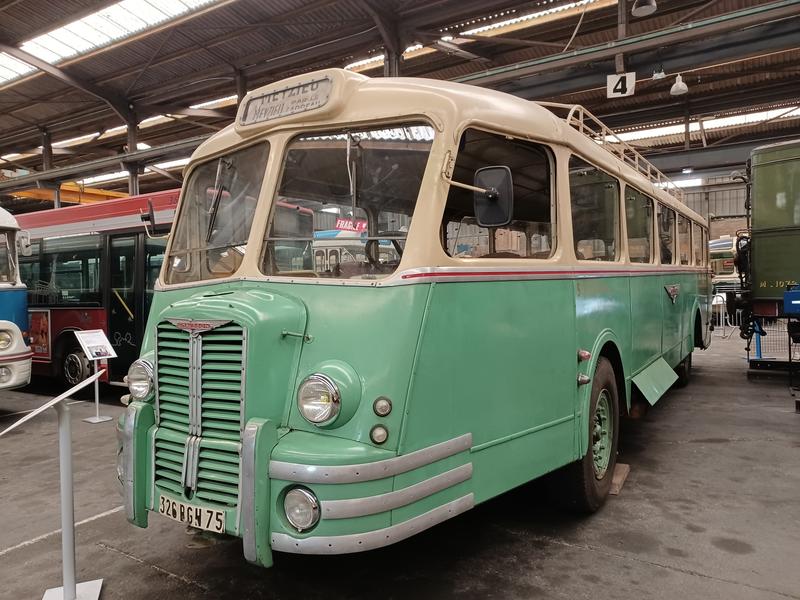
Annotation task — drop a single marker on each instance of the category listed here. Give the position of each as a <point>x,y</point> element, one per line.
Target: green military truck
<point>769,255</point>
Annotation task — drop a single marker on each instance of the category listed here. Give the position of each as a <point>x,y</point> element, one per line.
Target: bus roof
<point>109,215</point>
<point>344,98</point>
<point>7,220</point>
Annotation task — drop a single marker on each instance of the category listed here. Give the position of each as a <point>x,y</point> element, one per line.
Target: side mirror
<point>494,205</point>
<point>24,243</point>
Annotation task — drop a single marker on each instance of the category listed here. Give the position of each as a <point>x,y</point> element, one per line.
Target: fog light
<point>302,508</point>
<point>5,374</point>
<point>382,406</point>
<point>379,434</point>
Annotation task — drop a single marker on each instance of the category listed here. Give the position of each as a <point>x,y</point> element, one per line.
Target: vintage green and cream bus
<point>545,281</point>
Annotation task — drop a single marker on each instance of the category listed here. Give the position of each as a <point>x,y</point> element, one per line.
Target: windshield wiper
<point>219,189</point>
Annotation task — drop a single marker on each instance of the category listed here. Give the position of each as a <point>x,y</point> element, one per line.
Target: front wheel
<point>588,480</point>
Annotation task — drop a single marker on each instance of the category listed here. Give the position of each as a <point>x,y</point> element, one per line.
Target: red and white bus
<point>93,267</point>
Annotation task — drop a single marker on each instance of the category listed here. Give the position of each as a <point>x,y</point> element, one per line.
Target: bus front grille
<point>199,396</point>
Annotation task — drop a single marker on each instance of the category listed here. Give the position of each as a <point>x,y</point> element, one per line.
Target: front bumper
<point>20,366</point>
<point>363,505</point>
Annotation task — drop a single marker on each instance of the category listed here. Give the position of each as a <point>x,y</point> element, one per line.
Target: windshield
<point>8,267</point>
<point>352,194</point>
<point>217,208</point>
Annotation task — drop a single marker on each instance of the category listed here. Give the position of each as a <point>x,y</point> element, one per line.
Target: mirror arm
<point>466,186</point>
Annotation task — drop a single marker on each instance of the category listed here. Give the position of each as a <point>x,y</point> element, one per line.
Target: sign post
<point>89,590</point>
<point>96,347</point>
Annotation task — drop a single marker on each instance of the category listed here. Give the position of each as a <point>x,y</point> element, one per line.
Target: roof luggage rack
<point>586,123</point>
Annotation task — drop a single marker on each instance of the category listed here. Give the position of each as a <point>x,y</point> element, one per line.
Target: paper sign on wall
<point>621,84</point>
<point>95,344</point>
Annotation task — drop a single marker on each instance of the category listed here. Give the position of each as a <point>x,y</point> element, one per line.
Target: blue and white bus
<point>15,354</point>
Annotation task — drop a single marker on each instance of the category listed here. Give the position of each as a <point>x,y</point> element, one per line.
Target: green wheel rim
<point>602,435</point>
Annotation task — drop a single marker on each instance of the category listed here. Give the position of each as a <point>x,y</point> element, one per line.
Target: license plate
<point>195,516</point>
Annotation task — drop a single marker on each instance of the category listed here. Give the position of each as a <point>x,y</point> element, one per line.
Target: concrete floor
<point>710,510</point>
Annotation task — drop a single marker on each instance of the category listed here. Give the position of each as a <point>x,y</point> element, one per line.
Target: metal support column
<point>622,32</point>
<point>133,169</point>
<point>391,64</point>
<point>47,164</point>
<point>241,85</point>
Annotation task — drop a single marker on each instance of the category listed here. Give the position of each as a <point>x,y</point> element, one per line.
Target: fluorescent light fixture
<point>143,146</point>
<point>786,112</point>
<point>527,17</point>
<point>217,102</point>
<point>334,210</point>
<point>687,170</point>
<point>681,183</point>
<point>101,28</point>
<point>118,175</point>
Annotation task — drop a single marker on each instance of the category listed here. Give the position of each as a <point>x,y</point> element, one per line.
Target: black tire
<point>585,487</point>
<point>74,366</point>
<point>684,372</point>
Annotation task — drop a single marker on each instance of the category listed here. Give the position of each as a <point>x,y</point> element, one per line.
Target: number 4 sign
<point>620,85</point>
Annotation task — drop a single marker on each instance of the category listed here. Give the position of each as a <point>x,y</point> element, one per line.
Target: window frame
<point>653,227</point>
<point>618,256</point>
<point>690,221</point>
<point>660,204</point>
<point>552,159</point>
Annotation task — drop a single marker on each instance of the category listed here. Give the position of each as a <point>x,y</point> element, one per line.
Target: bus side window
<point>684,241</point>
<point>697,239</point>
<point>531,231</point>
<point>639,219</point>
<point>594,197</point>
<point>666,234</point>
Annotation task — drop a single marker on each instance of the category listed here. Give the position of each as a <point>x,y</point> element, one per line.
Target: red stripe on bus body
<point>100,210</point>
<point>13,357</point>
<point>560,273</point>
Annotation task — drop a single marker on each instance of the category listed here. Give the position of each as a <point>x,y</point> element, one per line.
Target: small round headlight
<point>318,399</point>
<point>302,508</point>
<point>6,339</point>
<point>5,374</point>
<point>140,379</point>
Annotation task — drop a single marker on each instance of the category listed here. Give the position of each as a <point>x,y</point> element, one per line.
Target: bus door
<point>124,302</point>
<point>673,290</point>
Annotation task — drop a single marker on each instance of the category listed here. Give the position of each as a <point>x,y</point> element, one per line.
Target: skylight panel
<point>145,11</point>
<point>88,32</point>
<point>169,7</point>
<point>46,46</point>
<point>70,39</point>
<point>123,18</point>
<point>106,26</point>
<point>11,68</point>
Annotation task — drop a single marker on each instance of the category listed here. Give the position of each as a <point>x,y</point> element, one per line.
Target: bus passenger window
<point>684,242</point>
<point>639,219</point>
<point>666,234</point>
<point>531,233</point>
<point>594,196</point>
<point>697,238</point>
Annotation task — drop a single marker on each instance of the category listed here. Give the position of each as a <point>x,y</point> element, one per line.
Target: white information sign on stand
<point>96,347</point>
<point>621,84</point>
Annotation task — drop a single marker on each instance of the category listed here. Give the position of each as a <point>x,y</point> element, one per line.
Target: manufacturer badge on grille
<point>193,326</point>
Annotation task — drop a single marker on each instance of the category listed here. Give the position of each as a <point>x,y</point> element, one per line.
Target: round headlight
<point>6,339</point>
<point>140,379</point>
<point>302,508</point>
<point>5,374</point>
<point>318,399</point>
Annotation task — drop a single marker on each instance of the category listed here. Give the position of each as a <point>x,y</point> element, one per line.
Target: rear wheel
<point>588,481</point>
<point>74,366</point>
<point>684,371</point>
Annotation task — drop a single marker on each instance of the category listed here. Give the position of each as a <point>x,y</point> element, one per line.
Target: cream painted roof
<point>356,98</point>
<point>7,221</point>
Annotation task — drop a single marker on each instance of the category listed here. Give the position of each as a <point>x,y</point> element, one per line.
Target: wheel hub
<point>602,435</point>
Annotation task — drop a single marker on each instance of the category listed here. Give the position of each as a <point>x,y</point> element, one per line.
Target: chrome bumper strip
<point>359,542</point>
<point>248,492</point>
<point>127,462</point>
<point>359,507</point>
<point>369,471</point>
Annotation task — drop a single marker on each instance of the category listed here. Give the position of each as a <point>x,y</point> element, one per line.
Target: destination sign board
<point>287,101</point>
